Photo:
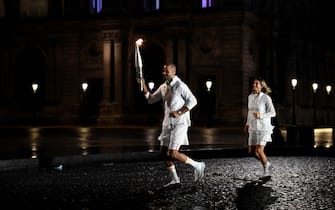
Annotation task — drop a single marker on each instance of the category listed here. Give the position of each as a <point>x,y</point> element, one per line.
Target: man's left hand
<point>174,114</point>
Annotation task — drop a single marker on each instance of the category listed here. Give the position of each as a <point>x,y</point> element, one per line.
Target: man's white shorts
<point>173,138</point>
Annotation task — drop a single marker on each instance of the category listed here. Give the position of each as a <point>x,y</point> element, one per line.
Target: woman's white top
<point>261,103</point>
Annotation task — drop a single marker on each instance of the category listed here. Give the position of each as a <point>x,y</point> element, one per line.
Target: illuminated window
<point>157,4</point>
<point>2,8</point>
<point>207,3</point>
<point>34,8</point>
<point>151,5</point>
<point>96,5</point>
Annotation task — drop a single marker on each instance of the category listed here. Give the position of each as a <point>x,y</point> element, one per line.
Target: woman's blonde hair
<point>265,88</point>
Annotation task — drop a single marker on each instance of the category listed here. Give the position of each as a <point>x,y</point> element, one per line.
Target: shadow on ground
<point>254,195</point>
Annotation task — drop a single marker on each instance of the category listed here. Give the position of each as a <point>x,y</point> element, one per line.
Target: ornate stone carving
<point>91,54</point>
<point>111,36</point>
<point>207,40</point>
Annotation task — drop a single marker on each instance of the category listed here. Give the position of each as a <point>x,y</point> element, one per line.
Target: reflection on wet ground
<point>323,137</point>
<point>36,142</point>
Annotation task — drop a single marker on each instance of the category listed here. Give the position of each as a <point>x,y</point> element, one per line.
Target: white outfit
<point>260,130</point>
<point>175,96</point>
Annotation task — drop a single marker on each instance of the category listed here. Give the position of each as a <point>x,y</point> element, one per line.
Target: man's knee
<point>173,154</point>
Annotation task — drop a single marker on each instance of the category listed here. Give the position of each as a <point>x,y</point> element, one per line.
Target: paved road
<point>298,182</point>
<point>120,168</point>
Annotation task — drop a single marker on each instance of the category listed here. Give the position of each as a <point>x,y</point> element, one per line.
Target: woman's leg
<point>252,151</point>
<point>263,159</point>
<point>259,151</point>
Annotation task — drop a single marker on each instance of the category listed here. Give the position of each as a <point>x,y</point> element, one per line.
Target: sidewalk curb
<point>18,164</point>
<point>72,160</point>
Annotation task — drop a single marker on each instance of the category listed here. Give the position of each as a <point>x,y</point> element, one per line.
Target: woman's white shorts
<point>258,139</point>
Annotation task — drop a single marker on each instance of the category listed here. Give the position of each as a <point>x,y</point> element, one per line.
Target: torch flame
<point>139,42</point>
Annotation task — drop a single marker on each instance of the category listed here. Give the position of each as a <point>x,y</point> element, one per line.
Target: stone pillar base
<point>110,113</point>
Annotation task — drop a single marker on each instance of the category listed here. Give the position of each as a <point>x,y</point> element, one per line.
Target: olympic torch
<point>138,61</point>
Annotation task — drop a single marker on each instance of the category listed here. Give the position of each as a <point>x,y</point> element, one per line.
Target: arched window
<point>34,8</point>
<point>151,5</point>
<point>2,8</point>
<point>96,6</point>
<point>207,3</point>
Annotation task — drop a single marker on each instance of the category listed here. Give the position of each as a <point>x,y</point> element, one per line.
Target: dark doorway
<point>207,99</point>
<point>90,101</point>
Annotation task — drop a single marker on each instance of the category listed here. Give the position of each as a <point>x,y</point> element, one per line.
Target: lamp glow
<point>209,85</point>
<point>315,86</point>
<point>328,89</point>
<point>35,87</point>
<point>84,86</point>
<point>151,85</point>
<point>294,83</point>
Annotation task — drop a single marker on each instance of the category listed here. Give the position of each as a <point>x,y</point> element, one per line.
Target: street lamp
<point>34,86</point>
<point>328,89</point>
<point>315,87</point>
<point>151,85</point>
<point>84,86</point>
<point>209,84</point>
<point>294,83</point>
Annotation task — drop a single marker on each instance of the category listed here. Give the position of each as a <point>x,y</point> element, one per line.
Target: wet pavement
<point>297,182</point>
<point>44,147</point>
<point>36,142</point>
<point>120,168</point>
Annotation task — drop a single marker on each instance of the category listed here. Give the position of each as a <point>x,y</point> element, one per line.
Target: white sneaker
<point>199,172</point>
<point>267,169</point>
<point>173,182</point>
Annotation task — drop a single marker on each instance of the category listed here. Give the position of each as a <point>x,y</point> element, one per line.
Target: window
<point>34,8</point>
<point>2,8</point>
<point>96,6</point>
<point>207,3</point>
<point>151,5</point>
<point>157,4</point>
<point>72,8</point>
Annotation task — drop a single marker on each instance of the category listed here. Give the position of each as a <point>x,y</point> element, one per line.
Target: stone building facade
<point>61,44</point>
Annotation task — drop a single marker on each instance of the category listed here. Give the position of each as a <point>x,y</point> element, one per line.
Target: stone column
<point>181,53</point>
<point>111,107</point>
<point>169,51</point>
<point>117,103</point>
<point>107,58</point>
